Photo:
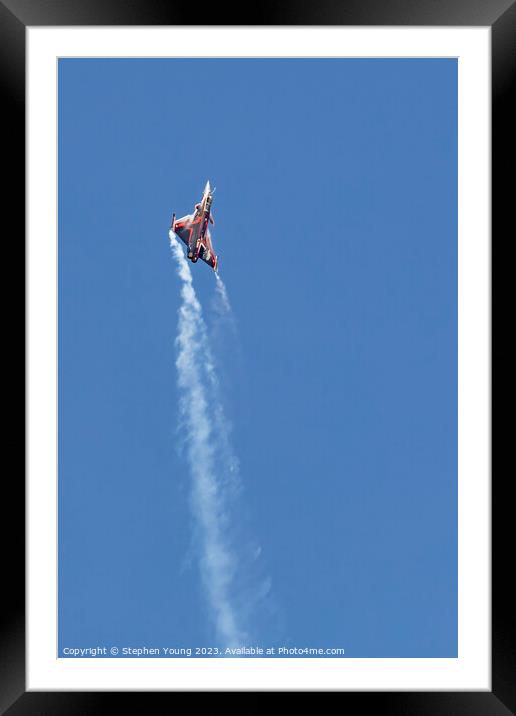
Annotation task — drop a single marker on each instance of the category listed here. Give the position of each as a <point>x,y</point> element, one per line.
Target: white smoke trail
<point>206,432</point>
<point>220,288</point>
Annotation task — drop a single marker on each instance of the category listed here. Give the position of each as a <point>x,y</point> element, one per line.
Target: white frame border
<point>472,669</point>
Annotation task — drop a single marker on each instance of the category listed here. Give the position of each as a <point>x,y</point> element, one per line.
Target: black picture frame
<point>15,16</point>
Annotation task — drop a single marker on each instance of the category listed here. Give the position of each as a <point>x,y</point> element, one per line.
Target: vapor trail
<point>206,432</point>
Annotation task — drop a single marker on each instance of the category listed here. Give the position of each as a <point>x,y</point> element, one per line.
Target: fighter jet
<point>193,230</point>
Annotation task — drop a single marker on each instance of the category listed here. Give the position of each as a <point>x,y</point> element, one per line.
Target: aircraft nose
<point>207,187</point>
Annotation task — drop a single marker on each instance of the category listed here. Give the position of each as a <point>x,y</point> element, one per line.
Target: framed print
<point>268,469</point>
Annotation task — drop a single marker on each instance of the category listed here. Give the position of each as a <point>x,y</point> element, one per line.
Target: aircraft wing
<point>183,228</point>
<point>184,220</point>
<point>212,261</point>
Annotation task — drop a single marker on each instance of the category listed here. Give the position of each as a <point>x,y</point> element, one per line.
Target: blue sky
<point>336,230</point>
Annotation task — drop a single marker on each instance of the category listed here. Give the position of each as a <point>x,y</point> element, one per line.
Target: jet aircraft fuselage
<point>193,230</point>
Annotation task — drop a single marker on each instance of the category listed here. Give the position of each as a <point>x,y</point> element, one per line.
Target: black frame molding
<point>500,15</point>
